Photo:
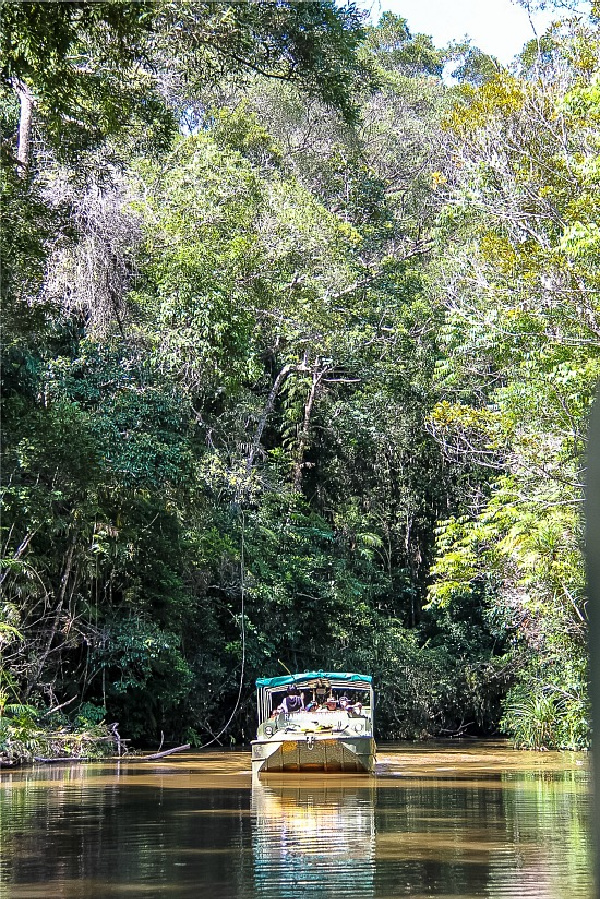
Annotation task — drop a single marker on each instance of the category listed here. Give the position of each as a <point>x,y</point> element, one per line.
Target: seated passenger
<point>320,693</point>
<point>294,701</point>
<point>331,704</point>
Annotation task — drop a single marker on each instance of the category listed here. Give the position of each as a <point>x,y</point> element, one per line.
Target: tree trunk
<point>304,435</point>
<point>25,123</point>
<point>17,555</point>
<point>267,411</point>
<point>66,574</point>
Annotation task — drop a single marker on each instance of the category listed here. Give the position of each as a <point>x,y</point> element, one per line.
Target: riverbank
<point>23,742</point>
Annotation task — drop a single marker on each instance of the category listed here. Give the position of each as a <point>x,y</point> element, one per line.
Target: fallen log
<point>53,761</point>
<point>161,755</point>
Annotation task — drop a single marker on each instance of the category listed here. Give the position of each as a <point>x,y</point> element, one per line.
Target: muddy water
<point>436,821</point>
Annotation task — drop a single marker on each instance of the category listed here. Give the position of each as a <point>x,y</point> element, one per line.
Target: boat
<point>314,721</point>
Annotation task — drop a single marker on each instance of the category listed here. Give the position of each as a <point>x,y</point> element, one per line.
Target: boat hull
<point>314,752</point>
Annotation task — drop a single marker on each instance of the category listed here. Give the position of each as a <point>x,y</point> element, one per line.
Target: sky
<point>498,27</point>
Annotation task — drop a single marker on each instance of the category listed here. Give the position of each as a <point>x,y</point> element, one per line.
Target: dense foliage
<point>299,344</point>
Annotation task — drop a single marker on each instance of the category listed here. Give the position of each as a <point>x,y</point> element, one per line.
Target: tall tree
<point>522,364</point>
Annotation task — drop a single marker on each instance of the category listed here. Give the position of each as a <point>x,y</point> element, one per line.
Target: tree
<point>521,369</point>
<point>68,61</point>
<point>223,445</point>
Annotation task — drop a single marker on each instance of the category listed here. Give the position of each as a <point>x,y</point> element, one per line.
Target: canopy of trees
<point>300,338</point>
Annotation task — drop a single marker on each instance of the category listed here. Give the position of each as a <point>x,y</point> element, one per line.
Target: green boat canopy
<point>270,683</point>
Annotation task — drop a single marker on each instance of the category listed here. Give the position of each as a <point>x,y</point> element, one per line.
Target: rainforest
<point>300,336</point>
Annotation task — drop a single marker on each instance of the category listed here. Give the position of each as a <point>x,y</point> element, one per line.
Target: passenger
<point>320,693</point>
<point>294,701</point>
<point>344,703</point>
<point>331,704</point>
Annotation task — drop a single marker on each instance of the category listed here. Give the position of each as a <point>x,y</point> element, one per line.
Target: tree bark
<point>304,435</point>
<point>64,580</point>
<point>267,411</point>
<point>25,124</point>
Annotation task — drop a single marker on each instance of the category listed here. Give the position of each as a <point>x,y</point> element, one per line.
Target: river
<point>467,821</point>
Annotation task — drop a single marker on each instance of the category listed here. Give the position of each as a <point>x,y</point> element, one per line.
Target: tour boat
<point>315,721</point>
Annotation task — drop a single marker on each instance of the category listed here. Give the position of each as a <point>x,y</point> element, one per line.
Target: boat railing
<point>318,721</point>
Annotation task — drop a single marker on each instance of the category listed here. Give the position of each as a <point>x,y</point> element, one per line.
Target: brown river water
<point>469,821</point>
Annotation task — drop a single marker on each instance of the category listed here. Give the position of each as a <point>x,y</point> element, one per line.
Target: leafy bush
<point>545,718</point>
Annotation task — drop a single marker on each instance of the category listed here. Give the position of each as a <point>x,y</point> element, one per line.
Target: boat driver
<point>294,701</point>
<point>320,693</point>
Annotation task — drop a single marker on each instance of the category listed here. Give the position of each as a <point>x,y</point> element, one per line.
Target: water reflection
<point>483,823</point>
<point>136,830</point>
<point>315,837</point>
<point>500,825</point>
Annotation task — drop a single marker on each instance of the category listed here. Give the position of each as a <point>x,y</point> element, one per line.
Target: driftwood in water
<point>161,755</point>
